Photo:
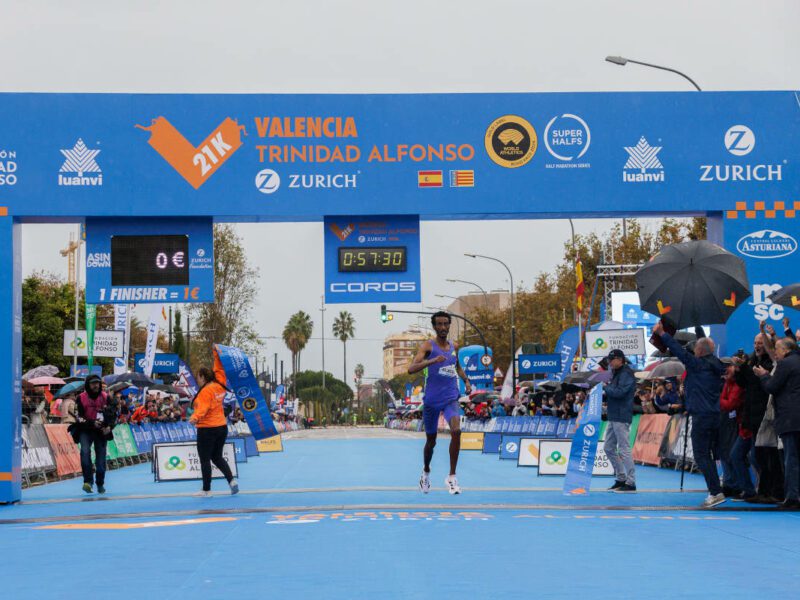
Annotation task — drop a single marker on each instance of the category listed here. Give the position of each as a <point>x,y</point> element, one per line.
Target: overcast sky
<point>355,46</point>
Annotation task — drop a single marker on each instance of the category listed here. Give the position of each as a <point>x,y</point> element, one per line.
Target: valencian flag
<point>579,287</point>
<point>241,381</point>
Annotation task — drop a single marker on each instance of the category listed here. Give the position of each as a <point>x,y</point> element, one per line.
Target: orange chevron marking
<point>795,301</point>
<point>662,310</point>
<point>730,301</point>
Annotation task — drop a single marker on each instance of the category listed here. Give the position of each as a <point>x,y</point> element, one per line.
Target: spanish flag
<point>426,179</point>
<point>579,287</point>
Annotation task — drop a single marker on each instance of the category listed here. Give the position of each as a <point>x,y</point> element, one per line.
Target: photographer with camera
<point>95,423</point>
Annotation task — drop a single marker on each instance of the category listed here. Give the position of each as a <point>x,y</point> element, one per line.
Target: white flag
<point>152,339</point>
<point>122,322</point>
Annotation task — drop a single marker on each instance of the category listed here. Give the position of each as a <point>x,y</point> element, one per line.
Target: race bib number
<point>448,371</point>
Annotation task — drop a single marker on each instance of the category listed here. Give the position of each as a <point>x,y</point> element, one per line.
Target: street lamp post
<point>619,60</point>
<point>513,325</point>
<point>322,310</point>
<point>483,291</point>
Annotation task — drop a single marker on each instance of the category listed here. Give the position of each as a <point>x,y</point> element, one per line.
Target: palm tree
<point>344,328</point>
<point>296,334</point>
<point>359,372</point>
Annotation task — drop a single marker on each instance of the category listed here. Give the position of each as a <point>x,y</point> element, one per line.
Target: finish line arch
<point>729,156</point>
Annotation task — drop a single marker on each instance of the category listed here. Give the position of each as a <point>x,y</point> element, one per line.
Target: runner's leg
<point>455,442</point>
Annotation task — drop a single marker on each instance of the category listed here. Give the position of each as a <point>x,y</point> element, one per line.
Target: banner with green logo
<point>124,441</point>
<point>91,324</point>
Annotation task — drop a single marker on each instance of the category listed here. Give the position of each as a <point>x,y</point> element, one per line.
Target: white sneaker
<point>452,484</point>
<point>234,487</point>
<point>425,482</point>
<point>202,494</point>
<point>711,501</point>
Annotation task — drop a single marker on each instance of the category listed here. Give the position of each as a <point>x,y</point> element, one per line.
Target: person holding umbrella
<point>703,386</point>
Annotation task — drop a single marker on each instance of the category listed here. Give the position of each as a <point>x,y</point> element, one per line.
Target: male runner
<point>439,359</point>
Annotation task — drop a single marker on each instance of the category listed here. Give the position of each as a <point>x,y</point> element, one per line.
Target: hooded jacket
<point>619,395</point>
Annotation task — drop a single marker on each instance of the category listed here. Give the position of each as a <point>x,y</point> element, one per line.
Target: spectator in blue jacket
<point>703,385</point>
<point>497,409</point>
<point>619,402</point>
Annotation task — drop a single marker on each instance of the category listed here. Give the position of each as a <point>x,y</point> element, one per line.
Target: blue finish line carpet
<point>342,518</point>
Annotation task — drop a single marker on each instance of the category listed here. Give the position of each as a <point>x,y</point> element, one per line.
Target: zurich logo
<point>362,239</point>
<point>526,364</point>
<point>267,181</point>
<point>511,447</point>
<point>740,140</point>
<point>589,430</point>
<point>766,244</point>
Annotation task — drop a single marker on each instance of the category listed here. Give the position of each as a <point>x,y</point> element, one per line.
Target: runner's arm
<point>420,362</point>
<point>462,374</point>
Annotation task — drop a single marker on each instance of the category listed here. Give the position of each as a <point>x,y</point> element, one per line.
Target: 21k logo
<point>196,165</point>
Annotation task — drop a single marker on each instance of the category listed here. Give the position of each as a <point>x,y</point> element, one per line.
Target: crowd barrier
<point>48,451</point>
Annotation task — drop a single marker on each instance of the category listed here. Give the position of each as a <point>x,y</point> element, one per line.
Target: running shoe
<point>425,482</point>
<point>202,494</point>
<point>626,488</point>
<point>234,487</point>
<point>713,500</point>
<point>452,484</point>
<point>617,484</point>
<point>87,487</point>
<point>101,489</point>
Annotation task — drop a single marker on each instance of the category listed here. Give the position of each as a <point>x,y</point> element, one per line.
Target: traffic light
<point>384,315</point>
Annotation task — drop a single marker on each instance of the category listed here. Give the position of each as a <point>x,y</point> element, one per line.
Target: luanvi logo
<point>642,164</point>
<point>195,164</point>
<point>80,160</point>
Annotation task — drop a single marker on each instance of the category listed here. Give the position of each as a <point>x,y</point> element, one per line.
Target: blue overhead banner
<point>530,364</point>
<point>566,348</point>
<point>133,261</point>
<point>372,259</point>
<point>291,156</point>
<point>242,382</point>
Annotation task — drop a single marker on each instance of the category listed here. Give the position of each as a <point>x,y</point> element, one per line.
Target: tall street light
<point>322,310</point>
<point>619,60</point>
<point>513,325</point>
<point>483,291</point>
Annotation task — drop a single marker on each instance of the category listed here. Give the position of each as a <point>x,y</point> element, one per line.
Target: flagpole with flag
<point>579,290</point>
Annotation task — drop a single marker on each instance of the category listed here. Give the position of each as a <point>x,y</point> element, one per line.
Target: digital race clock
<point>372,259</point>
<point>149,260</point>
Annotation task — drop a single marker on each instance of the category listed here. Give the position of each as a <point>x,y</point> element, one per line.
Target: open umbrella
<point>46,381</point>
<point>71,387</point>
<point>692,283</point>
<point>590,377</point>
<point>788,295</point>
<point>139,379</point>
<point>666,369</point>
<point>42,371</point>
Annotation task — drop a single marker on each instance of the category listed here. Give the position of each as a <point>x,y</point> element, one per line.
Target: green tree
<point>296,334</point>
<point>228,319</point>
<point>359,373</point>
<point>344,328</point>
<point>328,402</point>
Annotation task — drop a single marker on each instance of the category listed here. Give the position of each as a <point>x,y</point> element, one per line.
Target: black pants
<point>770,472</point>
<point>210,442</point>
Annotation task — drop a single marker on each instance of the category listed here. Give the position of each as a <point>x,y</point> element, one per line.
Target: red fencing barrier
<point>648,438</point>
<point>65,451</point>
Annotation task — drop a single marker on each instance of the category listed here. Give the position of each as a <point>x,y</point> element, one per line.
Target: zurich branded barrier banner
<point>509,446</point>
<point>584,445</point>
<point>491,442</point>
<point>241,380</point>
<point>531,364</point>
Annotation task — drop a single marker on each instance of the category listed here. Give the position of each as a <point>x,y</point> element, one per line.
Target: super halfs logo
<point>195,164</point>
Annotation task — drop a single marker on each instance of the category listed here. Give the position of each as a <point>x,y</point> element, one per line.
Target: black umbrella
<point>135,378</point>
<point>693,283</point>
<point>788,295</point>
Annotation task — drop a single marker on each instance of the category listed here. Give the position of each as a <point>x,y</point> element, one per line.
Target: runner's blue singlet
<point>441,379</point>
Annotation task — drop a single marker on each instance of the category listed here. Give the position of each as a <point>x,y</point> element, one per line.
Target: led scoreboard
<point>372,259</point>
<point>133,261</point>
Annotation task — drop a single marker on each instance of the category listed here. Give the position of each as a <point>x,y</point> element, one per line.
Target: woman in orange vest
<point>212,426</point>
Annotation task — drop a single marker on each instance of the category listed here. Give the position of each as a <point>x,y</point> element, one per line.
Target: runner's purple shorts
<point>430,414</point>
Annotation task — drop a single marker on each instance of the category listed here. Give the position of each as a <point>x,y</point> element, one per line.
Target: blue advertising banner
<point>567,348</point>
<point>241,380</point>
<point>530,364</point>
<point>239,449</point>
<point>250,445</point>
<point>85,371</point>
<point>186,377</point>
<point>135,261</point>
<point>480,376</point>
<point>633,315</point>
<point>372,259</point>
<point>509,447</point>
<point>163,363</point>
<point>491,442</point>
<point>584,445</point>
